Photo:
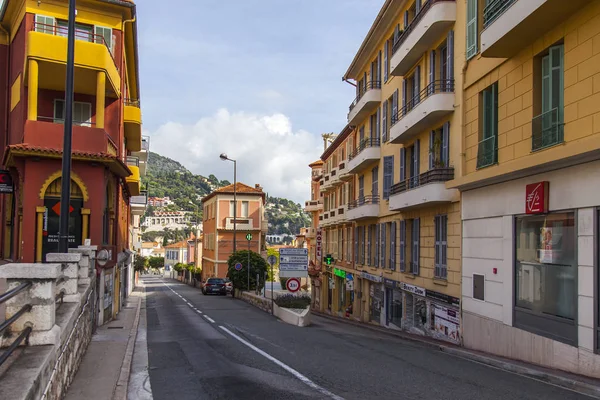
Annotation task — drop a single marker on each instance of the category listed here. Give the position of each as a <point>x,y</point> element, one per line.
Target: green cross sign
<point>248,236</point>
<point>328,259</point>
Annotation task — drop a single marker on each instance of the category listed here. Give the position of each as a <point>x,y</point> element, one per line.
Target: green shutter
<point>471,28</point>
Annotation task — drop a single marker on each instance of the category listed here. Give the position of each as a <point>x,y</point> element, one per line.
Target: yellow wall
<point>515,77</point>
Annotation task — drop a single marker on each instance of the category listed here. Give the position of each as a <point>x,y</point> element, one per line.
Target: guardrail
<point>25,309</point>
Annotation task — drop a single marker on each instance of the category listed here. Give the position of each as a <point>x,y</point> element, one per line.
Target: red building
<point>106,131</point>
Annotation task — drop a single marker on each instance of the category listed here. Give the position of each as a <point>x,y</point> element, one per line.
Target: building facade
<point>218,236</point>
<point>176,253</point>
<point>313,233</point>
<point>531,150</point>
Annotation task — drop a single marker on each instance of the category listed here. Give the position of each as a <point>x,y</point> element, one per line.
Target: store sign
<point>372,277</point>
<point>350,286</point>
<point>390,283</point>
<point>412,289</point>
<point>536,197</point>
<point>442,297</point>
<point>6,183</point>
<point>319,245</point>
<point>339,272</point>
<point>51,222</point>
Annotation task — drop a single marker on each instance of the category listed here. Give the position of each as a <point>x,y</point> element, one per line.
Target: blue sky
<point>258,79</point>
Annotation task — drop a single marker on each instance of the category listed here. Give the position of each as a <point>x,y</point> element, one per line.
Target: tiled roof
<point>177,245</point>
<point>316,163</point>
<point>240,188</point>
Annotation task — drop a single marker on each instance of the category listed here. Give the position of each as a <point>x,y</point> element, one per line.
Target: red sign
<point>56,208</point>
<point>292,285</point>
<point>319,244</point>
<point>536,198</point>
<point>6,183</point>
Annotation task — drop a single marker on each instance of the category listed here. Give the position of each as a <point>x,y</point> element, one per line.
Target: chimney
<point>257,186</point>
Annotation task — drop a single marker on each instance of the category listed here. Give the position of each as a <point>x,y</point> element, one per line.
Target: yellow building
<point>312,234</point>
<point>530,183</point>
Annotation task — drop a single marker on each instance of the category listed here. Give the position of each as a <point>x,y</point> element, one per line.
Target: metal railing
<point>133,161</point>
<point>25,309</point>
<point>411,26</point>
<point>364,200</point>
<point>132,102</point>
<point>440,86</point>
<point>146,143</point>
<point>547,129</point>
<point>80,34</point>
<point>62,121</point>
<point>432,176</point>
<point>494,9</point>
<point>142,198</point>
<point>487,152</point>
<point>365,143</point>
<point>364,89</point>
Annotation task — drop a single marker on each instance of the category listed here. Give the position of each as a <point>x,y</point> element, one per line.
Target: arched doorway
<point>50,233</point>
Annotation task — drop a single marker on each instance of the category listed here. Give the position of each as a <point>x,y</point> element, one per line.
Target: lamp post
<point>65,191</point>
<point>224,157</point>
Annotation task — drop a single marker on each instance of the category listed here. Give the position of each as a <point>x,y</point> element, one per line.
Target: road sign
<point>238,266</point>
<point>293,262</point>
<point>248,236</point>
<point>293,259</point>
<point>293,284</point>
<point>293,274</point>
<point>293,267</point>
<point>293,251</point>
<point>272,260</point>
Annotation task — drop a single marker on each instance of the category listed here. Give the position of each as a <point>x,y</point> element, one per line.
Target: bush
<point>293,301</point>
<point>239,279</point>
<point>283,281</point>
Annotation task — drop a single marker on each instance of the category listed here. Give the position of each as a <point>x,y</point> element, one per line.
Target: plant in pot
<point>436,151</point>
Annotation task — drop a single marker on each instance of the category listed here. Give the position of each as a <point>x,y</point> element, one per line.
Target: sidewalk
<point>104,370</point>
<point>567,380</point>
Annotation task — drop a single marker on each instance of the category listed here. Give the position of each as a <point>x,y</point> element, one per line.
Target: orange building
<point>218,225</point>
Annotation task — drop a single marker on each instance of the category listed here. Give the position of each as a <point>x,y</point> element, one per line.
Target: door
<point>389,298</point>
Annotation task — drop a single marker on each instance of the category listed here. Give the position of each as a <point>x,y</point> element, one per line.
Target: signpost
<point>293,285</point>
<point>238,266</point>
<point>272,260</point>
<point>248,238</point>
<point>293,263</point>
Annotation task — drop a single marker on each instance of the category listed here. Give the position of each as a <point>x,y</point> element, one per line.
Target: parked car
<point>214,285</point>
<point>228,285</point>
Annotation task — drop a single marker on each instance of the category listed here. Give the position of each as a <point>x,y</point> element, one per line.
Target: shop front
<point>376,296</point>
<point>394,301</point>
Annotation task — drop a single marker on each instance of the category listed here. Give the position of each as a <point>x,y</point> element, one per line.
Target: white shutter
<point>402,164</point>
<point>416,245</point>
<point>471,28</point>
<point>431,72</point>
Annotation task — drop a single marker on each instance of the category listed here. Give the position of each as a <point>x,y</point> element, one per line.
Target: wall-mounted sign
<point>372,277</point>
<point>443,297</point>
<point>6,182</point>
<point>51,221</point>
<point>536,197</point>
<point>319,249</point>
<point>412,289</point>
<point>339,272</point>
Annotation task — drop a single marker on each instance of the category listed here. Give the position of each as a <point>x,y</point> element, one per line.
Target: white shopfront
<point>529,269</point>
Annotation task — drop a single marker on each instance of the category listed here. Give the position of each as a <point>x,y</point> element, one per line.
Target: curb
<point>506,365</point>
<point>121,388</point>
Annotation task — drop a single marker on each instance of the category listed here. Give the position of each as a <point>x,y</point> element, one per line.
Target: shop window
<point>479,287</point>
<point>546,276</point>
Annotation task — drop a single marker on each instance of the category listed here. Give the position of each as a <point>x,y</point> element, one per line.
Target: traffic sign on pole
<point>238,266</point>
<point>272,260</point>
<point>293,262</point>
<point>293,285</point>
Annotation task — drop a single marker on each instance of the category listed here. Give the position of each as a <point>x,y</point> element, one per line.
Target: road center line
<point>199,312</point>
<point>209,318</point>
<point>289,369</point>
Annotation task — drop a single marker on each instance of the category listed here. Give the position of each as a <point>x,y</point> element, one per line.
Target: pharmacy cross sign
<point>248,236</point>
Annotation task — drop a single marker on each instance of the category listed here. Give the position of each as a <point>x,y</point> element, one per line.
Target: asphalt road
<point>215,347</point>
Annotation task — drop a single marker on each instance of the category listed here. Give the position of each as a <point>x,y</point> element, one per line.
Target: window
<point>82,32</point>
<point>548,128</point>
<point>487,151</point>
<point>82,112</point>
<point>441,246</point>
<point>375,181</point>
<point>388,175</point>
<point>415,164</point>
<point>403,245</point>
<point>416,246</point>
<point>369,256</point>
<point>384,131</point>
<point>472,31</point>
<point>546,275</point>
<point>45,24</point>
<point>245,209</point>
<point>104,36</point>
<point>231,209</point>
<point>348,244</point>
<point>439,147</point>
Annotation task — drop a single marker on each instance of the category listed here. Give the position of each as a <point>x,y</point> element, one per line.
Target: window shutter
<point>382,228</point>
<point>395,106</point>
<point>471,28</point>
<point>377,242</point>
<point>402,164</point>
<point>446,145</point>
<point>432,72</point>
<point>378,124</point>
<point>379,68</point>
<point>361,250</point>
<point>365,82</point>
<point>417,160</point>
<point>356,243</point>
<point>403,245</point>
<point>417,244</point>
<point>392,263</point>
<point>384,121</point>
<point>396,33</point>
<point>405,19</point>
<point>385,60</point>
<point>404,94</point>
<point>417,87</point>
<point>556,81</point>
<point>438,251</point>
<point>417,6</point>
<point>369,250</point>
<point>450,62</point>
<point>431,149</point>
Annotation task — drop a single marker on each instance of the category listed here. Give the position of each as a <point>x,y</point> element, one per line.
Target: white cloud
<point>267,149</point>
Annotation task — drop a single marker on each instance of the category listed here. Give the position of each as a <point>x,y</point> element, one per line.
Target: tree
<point>156,262</point>
<point>258,265</point>
<point>140,263</point>
<point>272,252</point>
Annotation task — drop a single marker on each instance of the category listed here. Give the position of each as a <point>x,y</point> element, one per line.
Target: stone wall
<point>257,301</point>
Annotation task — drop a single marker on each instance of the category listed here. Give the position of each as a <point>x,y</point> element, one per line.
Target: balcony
<point>242,223</point>
<point>344,172</point>
<point>511,25</point>
<point>313,205</point>
<point>432,104</point>
<point>334,178</point>
<point>138,203</point>
<point>142,155</point>
<point>487,152</point>
<point>366,102</point>
<point>133,181</point>
<point>316,174</point>
<point>341,213</point>
<point>423,33</point>
<point>310,233</point>
<point>133,124</point>
<point>322,185</point>
<point>324,219</point>
<point>547,130</point>
<point>367,153</point>
<point>48,45</point>
<point>363,208</point>
<point>264,227</point>
<point>427,189</point>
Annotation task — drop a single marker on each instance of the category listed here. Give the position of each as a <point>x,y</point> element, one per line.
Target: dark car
<point>214,285</point>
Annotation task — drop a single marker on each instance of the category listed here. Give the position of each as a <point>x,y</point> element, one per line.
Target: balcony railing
<point>87,123</point>
<point>432,176</point>
<point>57,30</point>
<point>407,31</point>
<point>441,86</point>
<point>487,152</point>
<point>145,143</point>
<point>546,130</point>
<point>361,201</point>
<point>494,9</point>
<point>132,102</point>
<point>142,199</point>
<point>368,142</point>
<point>364,89</point>
<point>133,161</point>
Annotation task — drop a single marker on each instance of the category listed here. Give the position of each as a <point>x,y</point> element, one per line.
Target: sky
<point>259,80</point>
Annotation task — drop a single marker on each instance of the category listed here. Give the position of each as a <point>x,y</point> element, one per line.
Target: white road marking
<point>209,318</point>
<point>199,312</point>
<point>289,369</point>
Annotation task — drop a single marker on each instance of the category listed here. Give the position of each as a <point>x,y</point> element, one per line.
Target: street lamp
<point>224,157</point>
